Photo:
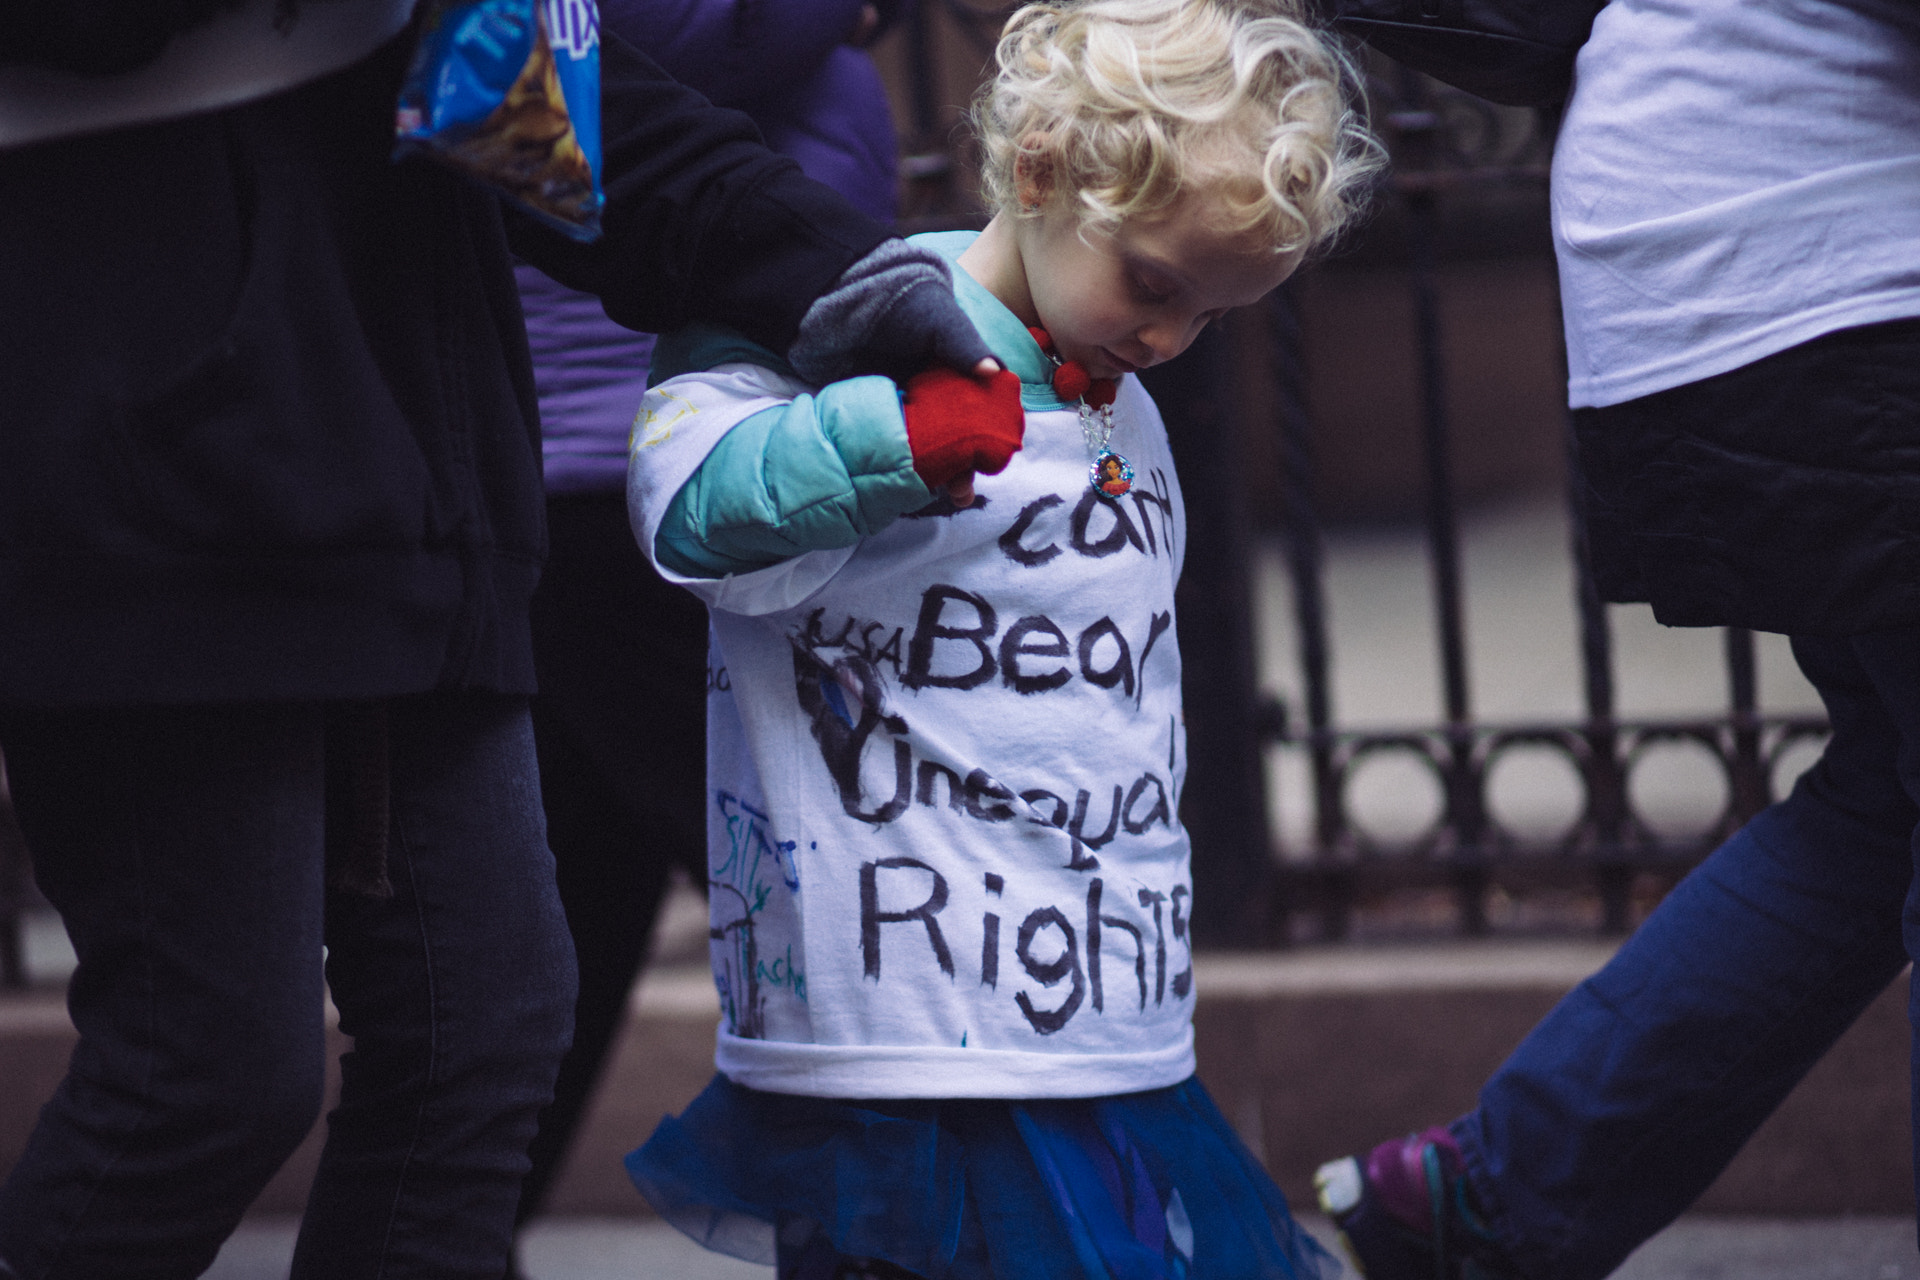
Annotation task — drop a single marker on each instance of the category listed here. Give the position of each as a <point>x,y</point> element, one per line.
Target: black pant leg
<point>620,723</point>
<point>182,847</point>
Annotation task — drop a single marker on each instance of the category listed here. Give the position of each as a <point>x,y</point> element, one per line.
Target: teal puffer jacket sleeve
<point>820,472</point>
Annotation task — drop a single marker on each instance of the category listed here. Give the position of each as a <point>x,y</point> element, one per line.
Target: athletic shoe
<point>1406,1214</point>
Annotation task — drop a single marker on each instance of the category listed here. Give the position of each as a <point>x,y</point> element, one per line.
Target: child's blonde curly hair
<point>1128,104</point>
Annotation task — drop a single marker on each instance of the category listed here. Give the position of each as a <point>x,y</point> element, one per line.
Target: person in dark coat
<point>620,719</point>
<point>270,519</point>
<point>1743,340</point>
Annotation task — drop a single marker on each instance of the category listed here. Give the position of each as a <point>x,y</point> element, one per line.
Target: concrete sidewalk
<point>1695,1248</point>
<point>1310,1053</point>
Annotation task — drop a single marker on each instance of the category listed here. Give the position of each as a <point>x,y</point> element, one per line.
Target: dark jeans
<point>1622,1106</point>
<point>620,721</point>
<point>184,848</point>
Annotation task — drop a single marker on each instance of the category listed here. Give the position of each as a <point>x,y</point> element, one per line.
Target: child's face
<point>1140,295</point>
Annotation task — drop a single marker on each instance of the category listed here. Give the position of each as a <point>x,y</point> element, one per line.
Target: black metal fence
<point>1444,142</point>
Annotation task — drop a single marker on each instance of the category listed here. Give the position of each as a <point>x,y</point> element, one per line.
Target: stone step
<point>1311,1054</point>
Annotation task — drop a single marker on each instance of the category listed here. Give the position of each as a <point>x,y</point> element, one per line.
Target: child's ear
<point>1033,172</point>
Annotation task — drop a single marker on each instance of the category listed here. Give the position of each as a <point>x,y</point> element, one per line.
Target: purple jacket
<point>815,98</point>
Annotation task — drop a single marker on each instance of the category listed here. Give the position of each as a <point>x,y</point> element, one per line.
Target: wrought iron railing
<point>1443,141</point>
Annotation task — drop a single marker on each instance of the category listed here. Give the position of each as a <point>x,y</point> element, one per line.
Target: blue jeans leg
<point>458,992</point>
<point>1622,1106</point>
<point>182,847</point>
<point>1892,660</point>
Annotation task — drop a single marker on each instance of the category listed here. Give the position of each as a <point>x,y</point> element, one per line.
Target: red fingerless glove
<point>957,424</point>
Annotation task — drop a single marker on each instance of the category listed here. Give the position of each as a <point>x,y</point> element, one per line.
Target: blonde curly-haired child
<point>949,886</point>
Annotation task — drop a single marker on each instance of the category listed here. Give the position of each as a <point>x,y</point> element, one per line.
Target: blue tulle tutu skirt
<point>1142,1186</point>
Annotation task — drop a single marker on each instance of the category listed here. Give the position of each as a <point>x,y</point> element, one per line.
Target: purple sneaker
<point>1407,1214</point>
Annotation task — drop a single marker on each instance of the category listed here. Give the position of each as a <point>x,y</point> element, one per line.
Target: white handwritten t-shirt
<point>944,770</point>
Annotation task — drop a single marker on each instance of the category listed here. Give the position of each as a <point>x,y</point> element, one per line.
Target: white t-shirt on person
<point>1733,178</point>
<point>944,769</point>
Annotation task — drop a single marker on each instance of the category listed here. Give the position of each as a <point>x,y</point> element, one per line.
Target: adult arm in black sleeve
<point>702,221</point>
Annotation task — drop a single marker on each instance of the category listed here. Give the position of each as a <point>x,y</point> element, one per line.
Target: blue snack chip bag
<point>508,92</point>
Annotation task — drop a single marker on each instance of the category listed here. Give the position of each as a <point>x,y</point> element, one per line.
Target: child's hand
<point>957,425</point>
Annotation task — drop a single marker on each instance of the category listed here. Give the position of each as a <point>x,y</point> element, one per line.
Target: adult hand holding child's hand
<point>892,312</point>
<point>958,425</point>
